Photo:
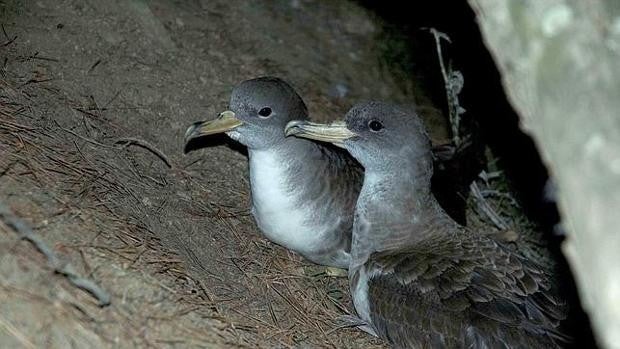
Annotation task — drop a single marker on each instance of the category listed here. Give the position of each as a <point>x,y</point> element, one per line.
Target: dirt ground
<point>95,97</point>
<point>175,246</point>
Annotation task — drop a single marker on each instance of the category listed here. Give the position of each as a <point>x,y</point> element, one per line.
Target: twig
<point>486,208</point>
<point>9,40</point>
<point>67,270</point>
<point>86,112</point>
<point>92,141</point>
<point>487,176</point>
<point>92,67</point>
<point>21,338</point>
<point>34,81</point>
<point>36,56</point>
<point>491,192</point>
<point>146,145</point>
<point>453,81</point>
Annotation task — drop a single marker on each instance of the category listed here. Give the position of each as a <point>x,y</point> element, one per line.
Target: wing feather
<point>471,292</point>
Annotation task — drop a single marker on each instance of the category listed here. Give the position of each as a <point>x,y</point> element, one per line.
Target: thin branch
<point>67,270</point>
<point>486,208</point>
<point>19,335</point>
<point>453,82</point>
<point>146,145</point>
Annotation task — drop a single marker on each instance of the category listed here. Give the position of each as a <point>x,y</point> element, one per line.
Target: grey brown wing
<point>345,179</point>
<point>333,187</point>
<point>473,294</point>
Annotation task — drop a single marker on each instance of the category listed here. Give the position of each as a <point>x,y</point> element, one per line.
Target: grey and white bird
<point>303,192</point>
<point>417,278</point>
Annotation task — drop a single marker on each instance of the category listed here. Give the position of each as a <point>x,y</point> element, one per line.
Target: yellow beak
<point>226,121</point>
<point>335,133</point>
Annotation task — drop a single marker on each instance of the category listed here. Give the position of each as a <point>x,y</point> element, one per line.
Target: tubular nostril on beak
<point>292,128</point>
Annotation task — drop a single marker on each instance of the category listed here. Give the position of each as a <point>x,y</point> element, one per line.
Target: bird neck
<point>292,150</point>
<point>395,210</point>
<point>289,159</point>
<point>405,186</point>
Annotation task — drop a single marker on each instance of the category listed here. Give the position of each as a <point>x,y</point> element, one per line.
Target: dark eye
<point>264,112</point>
<point>375,126</point>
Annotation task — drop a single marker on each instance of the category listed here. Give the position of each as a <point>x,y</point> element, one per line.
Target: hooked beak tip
<point>191,131</point>
<point>226,121</point>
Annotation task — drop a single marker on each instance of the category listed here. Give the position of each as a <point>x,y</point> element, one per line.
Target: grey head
<point>381,136</point>
<point>259,110</point>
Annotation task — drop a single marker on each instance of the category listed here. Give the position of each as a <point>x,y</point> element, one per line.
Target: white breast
<point>359,293</point>
<point>277,211</point>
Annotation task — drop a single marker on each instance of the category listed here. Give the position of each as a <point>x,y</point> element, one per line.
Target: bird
<point>303,192</point>
<point>417,278</point>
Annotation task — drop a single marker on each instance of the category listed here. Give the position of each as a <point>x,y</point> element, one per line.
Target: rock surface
<point>560,63</point>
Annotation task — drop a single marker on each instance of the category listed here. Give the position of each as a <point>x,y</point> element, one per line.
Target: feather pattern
<point>476,297</point>
<point>416,276</point>
<point>305,203</point>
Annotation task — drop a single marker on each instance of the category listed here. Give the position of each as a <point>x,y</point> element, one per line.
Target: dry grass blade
<point>486,208</point>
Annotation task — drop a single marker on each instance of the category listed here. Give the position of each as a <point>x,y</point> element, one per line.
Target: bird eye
<point>264,112</point>
<point>375,126</point>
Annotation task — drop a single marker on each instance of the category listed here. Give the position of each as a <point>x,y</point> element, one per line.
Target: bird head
<point>258,112</point>
<point>378,135</point>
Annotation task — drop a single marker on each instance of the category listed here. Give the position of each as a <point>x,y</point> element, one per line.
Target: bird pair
<point>360,198</point>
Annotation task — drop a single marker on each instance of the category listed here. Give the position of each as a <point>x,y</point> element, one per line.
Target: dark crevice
<point>409,49</point>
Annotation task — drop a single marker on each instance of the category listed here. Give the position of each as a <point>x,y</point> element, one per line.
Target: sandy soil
<point>175,246</point>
